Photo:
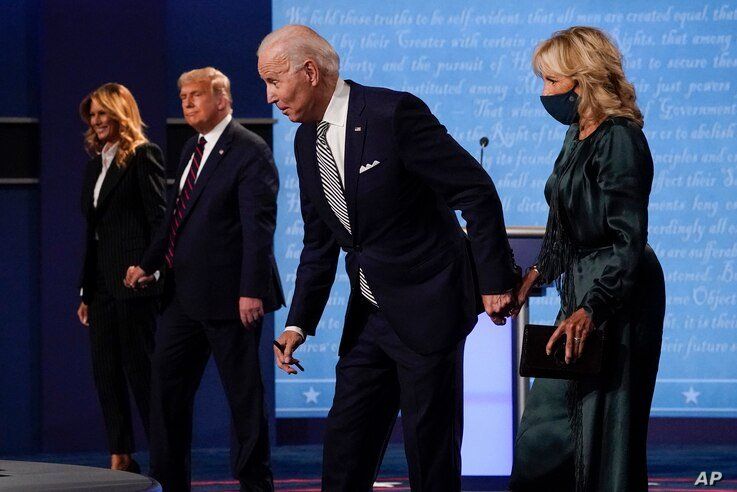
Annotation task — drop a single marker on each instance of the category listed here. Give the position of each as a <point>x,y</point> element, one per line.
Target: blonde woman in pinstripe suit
<point>123,203</point>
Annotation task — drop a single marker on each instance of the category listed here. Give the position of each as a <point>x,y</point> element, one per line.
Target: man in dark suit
<point>221,277</point>
<point>380,178</point>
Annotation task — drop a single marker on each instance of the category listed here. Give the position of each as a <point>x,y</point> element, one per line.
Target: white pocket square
<point>366,167</point>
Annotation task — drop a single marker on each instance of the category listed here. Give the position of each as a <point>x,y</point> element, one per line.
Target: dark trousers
<point>376,378</point>
<point>182,350</point>
<point>122,343</point>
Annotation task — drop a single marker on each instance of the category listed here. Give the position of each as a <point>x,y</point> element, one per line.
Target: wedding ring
<point>577,340</point>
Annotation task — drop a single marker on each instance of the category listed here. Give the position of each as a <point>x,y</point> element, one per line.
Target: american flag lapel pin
<point>357,129</point>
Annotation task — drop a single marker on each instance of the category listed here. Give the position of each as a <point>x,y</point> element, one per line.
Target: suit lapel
<point>186,156</point>
<point>210,165</point>
<point>112,178</point>
<point>173,193</point>
<point>308,154</point>
<point>91,172</point>
<point>355,134</point>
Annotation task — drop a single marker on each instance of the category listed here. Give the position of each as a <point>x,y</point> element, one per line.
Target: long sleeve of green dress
<point>624,187</point>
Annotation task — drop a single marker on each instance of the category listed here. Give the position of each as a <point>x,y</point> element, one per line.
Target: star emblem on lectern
<point>691,395</point>
<point>311,395</point>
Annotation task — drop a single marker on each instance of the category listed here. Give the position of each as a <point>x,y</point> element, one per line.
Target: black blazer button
<point>357,248</point>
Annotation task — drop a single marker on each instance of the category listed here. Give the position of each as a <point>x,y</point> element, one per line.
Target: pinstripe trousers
<point>122,342</point>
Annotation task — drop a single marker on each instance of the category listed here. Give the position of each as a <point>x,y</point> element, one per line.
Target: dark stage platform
<point>22,476</point>
<point>673,468</point>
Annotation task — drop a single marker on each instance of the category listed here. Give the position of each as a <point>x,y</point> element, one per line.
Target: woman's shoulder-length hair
<point>121,106</point>
<point>591,59</point>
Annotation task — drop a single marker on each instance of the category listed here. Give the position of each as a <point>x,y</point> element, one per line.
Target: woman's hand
<point>523,292</point>
<point>82,314</point>
<point>576,329</point>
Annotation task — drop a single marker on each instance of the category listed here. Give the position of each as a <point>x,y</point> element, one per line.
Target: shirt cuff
<point>297,330</point>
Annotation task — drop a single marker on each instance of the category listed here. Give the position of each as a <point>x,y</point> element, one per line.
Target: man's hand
<point>251,310</point>
<point>82,314</point>
<point>576,329</point>
<point>288,342</point>
<point>135,277</point>
<point>498,306</point>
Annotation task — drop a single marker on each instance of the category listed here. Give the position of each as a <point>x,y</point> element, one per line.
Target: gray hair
<point>300,43</point>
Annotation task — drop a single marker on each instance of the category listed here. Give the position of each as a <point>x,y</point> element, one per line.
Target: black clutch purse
<point>534,362</point>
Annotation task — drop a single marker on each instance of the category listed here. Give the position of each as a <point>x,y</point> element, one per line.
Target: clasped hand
<point>136,278</point>
<point>499,306</point>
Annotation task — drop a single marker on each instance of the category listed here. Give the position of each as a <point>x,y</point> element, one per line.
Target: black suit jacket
<point>422,269</point>
<point>130,207</point>
<point>224,248</point>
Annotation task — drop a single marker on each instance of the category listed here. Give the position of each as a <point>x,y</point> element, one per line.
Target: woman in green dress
<point>591,435</point>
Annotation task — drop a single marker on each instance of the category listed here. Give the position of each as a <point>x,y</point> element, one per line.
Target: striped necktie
<point>183,200</point>
<point>332,186</point>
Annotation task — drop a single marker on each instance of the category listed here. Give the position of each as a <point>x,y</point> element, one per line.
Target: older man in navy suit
<point>380,178</point>
<point>220,278</point>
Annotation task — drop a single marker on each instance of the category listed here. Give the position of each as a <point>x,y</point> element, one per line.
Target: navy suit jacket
<point>224,248</point>
<point>425,273</point>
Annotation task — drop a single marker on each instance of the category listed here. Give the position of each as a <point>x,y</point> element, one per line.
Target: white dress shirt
<point>337,115</point>
<point>108,156</point>
<point>212,138</point>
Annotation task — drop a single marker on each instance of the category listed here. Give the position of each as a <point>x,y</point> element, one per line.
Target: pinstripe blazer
<point>129,209</point>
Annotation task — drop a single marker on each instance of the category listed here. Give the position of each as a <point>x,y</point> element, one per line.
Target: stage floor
<point>297,468</point>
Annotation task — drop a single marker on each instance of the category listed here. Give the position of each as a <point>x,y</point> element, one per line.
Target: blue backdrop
<point>470,61</point>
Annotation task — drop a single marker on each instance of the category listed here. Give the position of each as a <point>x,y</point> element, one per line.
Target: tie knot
<point>322,128</point>
<point>201,142</point>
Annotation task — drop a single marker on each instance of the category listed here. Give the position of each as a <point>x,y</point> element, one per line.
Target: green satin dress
<point>591,435</point>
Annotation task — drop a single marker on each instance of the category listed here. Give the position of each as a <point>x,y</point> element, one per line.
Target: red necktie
<point>183,199</point>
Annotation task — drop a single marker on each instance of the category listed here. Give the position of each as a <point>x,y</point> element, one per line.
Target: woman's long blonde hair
<point>591,59</point>
<point>120,105</point>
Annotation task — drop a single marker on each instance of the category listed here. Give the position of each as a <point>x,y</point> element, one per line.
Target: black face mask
<point>562,107</point>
